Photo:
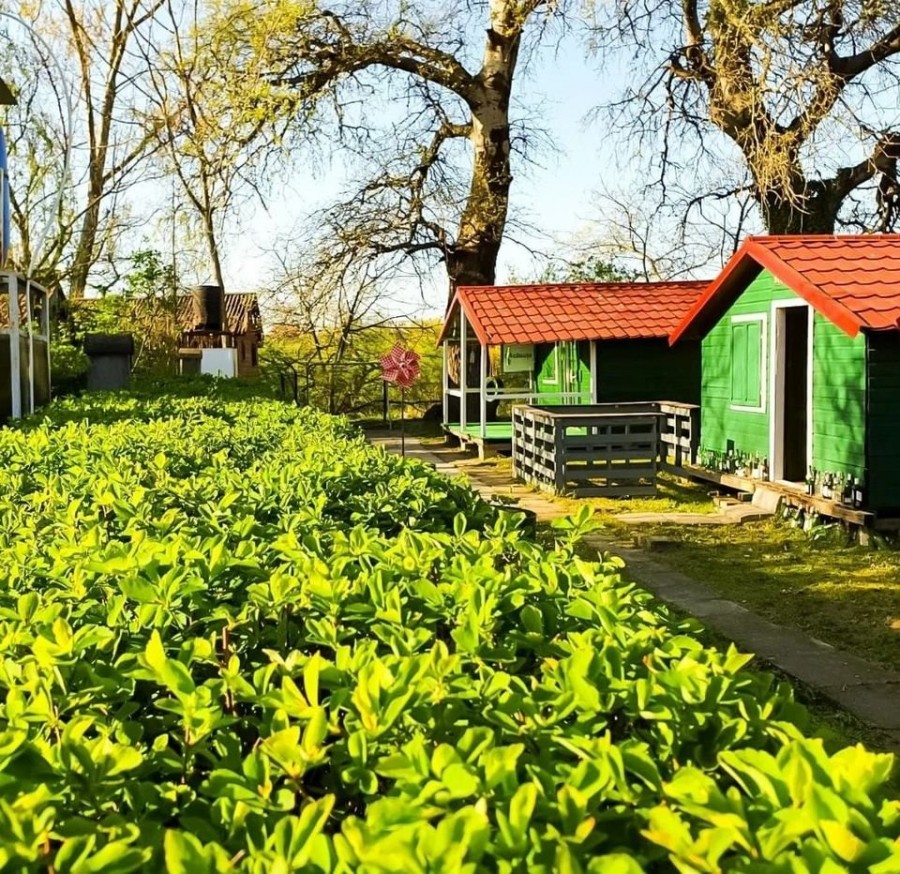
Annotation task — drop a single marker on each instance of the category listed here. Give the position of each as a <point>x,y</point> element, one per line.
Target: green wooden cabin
<point>582,343</point>
<point>801,362</point>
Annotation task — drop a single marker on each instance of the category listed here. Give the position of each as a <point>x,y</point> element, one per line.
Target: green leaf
<point>117,857</point>
<point>843,843</point>
<point>459,780</point>
<point>184,854</point>
<point>521,808</point>
<point>311,680</point>
<point>138,590</point>
<point>532,619</point>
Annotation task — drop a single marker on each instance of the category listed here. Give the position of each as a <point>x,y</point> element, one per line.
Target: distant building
<point>217,333</point>
<point>221,333</point>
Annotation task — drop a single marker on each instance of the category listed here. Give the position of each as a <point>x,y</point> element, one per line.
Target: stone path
<point>870,693</point>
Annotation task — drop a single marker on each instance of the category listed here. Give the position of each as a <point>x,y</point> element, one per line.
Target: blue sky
<point>556,193</point>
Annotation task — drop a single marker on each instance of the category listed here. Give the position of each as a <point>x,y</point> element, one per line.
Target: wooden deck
<point>498,437</point>
<point>793,494</point>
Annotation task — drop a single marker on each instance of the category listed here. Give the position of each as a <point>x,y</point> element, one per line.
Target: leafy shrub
<point>234,636</point>
<point>69,366</point>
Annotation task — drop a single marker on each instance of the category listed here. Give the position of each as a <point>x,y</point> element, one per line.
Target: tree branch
<point>337,53</point>
<point>851,66</point>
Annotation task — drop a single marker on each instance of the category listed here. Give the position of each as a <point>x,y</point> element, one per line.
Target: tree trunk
<point>473,258</point>
<point>813,212</point>
<point>87,239</point>
<point>212,245</point>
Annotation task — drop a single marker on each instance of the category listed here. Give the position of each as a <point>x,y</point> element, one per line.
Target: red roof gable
<point>852,280</point>
<point>578,311</point>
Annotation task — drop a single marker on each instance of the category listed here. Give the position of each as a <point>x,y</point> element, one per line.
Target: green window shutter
<point>746,363</point>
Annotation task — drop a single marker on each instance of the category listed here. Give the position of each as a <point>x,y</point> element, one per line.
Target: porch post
<point>463,367</point>
<point>15,361</point>
<point>482,389</point>
<point>445,385</point>
<point>28,316</point>
<point>45,328</point>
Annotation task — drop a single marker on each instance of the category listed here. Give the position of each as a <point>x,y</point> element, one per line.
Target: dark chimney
<point>209,308</point>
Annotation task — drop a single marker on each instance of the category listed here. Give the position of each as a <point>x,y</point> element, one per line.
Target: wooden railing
<point>679,433</point>
<point>611,450</point>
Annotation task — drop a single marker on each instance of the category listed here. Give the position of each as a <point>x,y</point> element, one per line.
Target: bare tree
<point>38,135</point>
<point>209,124</point>
<point>681,236</point>
<point>100,34</point>
<point>797,86</point>
<point>439,89</point>
<point>339,316</point>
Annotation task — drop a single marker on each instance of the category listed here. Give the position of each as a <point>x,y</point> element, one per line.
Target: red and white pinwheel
<point>400,366</point>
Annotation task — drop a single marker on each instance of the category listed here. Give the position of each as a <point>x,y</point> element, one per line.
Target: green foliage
<point>355,389</point>
<point>69,364</point>
<point>591,268</point>
<point>144,305</point>
<point>149,276</point>
<point>233,636</point>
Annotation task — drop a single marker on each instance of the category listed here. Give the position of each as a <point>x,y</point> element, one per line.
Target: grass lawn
<point>674,495</point>
<point>845,595</point>
<point>848,596</point>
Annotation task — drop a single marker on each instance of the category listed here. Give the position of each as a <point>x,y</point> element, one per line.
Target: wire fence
<point>353,388</point>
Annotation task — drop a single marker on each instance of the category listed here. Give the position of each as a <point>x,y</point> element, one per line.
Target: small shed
<point>221,332</point>
<point>110,357</point>
<point>801,364</point>
<point>562,344</point>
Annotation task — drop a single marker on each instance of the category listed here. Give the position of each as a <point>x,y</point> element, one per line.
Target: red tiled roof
<point>241,313</point>
<point>852,280</point>
<point>579,311</point>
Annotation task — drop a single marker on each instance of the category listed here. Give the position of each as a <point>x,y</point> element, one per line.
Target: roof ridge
<point>851,279</point>
<point>844,238</point>
<point>638,284</point>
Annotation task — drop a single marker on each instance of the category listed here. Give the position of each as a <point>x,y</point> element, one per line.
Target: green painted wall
<point>718,422</point>
<point>573,372</point>
<point>839,387</point>
<point>882,485</point>
<point>648,370</point>
<point>839,400</point>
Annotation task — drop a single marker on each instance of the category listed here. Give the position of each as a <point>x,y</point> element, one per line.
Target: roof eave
<point>710,306</point>
<point>751,259</point>
<point>833,310</point>
<point>460,300</point>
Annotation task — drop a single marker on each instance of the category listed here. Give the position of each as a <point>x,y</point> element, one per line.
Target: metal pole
<point>482,389</point>
<point>15,365</point>
<point>445,386</point>
<point>28,317</point>
<point>402,424</point>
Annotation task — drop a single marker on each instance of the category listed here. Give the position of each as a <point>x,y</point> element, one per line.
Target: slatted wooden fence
<point>610,450</point>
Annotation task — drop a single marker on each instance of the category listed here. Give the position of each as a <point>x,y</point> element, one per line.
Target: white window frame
<point>763,320</point>
<point>776,420</point>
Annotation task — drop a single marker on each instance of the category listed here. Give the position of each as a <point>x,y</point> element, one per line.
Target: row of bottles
<point>838,487</point>
<point>743,464</point>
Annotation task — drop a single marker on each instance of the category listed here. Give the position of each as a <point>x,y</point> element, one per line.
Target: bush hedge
<point>235,637</point>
